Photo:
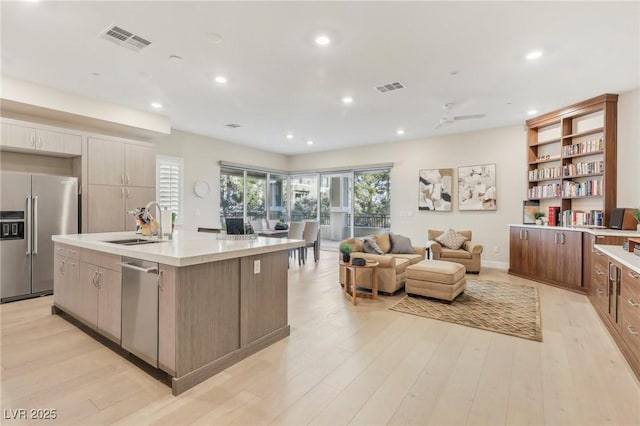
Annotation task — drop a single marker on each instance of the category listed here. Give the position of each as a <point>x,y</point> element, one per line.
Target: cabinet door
<point>87,294</point>
<point>167,319</point>
<point>105,208</point>
<point>140,166</point>
<point>569,248</point>
<point>518,251</point>
<point>137,197</point>
<point>18,136</point>
<point>105,162</point>
<point>60,281</point>
<point>109,303</point>
<point>58,143</point>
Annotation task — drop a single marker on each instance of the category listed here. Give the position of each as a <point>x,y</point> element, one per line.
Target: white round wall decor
<point>201,188</point>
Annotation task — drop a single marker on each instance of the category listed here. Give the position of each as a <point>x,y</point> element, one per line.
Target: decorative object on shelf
<point>636,214</point>
<point>477,187</point>
<point>345,249</point>
<point>202,188</point>
<point>435,189</point>
<point>539,216</point>
<point>529,208</point>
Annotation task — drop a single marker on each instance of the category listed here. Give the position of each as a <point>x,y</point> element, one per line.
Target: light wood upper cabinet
<point>105,162</point>
<point>24,138</point>
<point>140,166</point>
<point>106,208</point>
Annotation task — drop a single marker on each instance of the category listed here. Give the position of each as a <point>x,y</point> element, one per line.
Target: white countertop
<point>594,231</point>
<point>623,256</point>
<point>186,248</point>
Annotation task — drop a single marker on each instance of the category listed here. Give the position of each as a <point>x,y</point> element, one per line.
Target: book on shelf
<point>554,216</point>
<point>593,145</point>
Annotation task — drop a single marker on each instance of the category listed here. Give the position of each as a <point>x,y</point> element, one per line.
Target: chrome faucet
<point>159,210</point>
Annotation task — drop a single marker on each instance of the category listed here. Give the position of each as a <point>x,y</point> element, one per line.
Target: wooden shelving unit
<point>590,127</point>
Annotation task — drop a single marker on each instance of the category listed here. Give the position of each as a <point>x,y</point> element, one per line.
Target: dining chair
<point>311,235</point>
<point>296,231</point>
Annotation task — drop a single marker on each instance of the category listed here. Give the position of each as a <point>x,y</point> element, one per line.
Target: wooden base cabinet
<point>89,288</point>
<point>616,297</point>
<point>551,256</point>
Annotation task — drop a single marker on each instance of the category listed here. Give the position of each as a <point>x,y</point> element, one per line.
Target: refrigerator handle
<point>28,236</point>
<point>35,225</point>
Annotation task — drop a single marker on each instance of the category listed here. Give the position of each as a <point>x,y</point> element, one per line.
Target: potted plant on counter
<point>636,214</point>
<point>538,216</point>
<point>345,249</point>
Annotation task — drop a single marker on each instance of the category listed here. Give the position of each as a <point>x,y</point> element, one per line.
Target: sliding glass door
<point>231,193</point>
<point>304,198</point>
<point>372,203</point>
<point>335,206</point>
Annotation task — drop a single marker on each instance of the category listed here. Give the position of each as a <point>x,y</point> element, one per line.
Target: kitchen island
<point>218,301</point>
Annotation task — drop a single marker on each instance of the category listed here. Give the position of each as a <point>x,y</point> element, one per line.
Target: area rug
<point>494,306</point>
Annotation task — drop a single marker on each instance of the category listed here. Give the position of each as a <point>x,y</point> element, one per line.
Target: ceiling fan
<point>449,118</point>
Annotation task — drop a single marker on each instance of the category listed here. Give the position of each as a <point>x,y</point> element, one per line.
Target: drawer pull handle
<point>600,292</point>
<point>632,303</point>
<point>633,275</point>
<point>631,330</point>
<point>599,272</point>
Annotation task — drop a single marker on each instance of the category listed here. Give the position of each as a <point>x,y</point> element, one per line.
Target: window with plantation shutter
<point>169,188</point>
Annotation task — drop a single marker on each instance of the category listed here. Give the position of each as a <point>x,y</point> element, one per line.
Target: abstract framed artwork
<point>435,189</point>
<point>477,187</point>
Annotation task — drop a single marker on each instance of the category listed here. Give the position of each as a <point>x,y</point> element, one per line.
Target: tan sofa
<point>391,271</point>
<point>468,255</point>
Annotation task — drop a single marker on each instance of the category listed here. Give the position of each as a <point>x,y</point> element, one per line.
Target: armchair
<point>468,255</point>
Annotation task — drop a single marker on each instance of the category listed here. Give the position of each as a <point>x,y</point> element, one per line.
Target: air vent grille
<point>232,125</point>
<point>124,38</point>
<point>390,87</point>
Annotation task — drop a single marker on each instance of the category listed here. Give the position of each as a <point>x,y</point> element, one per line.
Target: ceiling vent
<point>390,87</point>
<point>124,38</point>
<point>232,125</point>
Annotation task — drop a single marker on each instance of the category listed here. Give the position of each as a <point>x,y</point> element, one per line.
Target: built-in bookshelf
<point>572,161</point>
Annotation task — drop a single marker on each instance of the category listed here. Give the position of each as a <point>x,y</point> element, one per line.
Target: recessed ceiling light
<point>323,40</point>
<point>309,142</point>
<point>220,79</point>
<point>347,100</point>
<point>176,59</point>
<point>289,136</point>
<point>532,111</point>
<point>156,105</point>
<point>214,38</point>
<point>533,55</point>
<point>399,132</point>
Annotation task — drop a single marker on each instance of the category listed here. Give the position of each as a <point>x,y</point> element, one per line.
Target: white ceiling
<point>280,82</point>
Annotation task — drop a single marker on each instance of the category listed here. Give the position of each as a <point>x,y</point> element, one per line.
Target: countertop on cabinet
<point>623,256</point>
<point>594,231</point>
<point>185,249</point>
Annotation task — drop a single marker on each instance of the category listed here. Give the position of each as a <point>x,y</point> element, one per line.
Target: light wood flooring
<point>342,364</point>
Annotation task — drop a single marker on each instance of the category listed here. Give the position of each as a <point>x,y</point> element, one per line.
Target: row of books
<point>585,168</point>
<point>587,188</point>
<point>550,190</point>
<point>582,218</point>
<point>545,173</point>
<point>583,147</point>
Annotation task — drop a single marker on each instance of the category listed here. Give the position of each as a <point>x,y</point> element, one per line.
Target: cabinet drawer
<point>601,296</point>
<point>105,260</point>
<point>630,291</point>
<point>70,252</point>
<point>601,259</point>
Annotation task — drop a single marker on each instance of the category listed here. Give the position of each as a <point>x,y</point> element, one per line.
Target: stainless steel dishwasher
<point>140,309</point>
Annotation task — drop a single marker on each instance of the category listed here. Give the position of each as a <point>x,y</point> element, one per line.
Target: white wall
<point>629,149</point>
<point>201,157</point>
<point>506,147</point>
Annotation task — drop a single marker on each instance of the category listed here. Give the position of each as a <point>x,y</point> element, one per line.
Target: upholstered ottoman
<point>436,278</point>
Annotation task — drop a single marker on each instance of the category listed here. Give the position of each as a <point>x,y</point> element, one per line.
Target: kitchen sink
<point>134,241</point>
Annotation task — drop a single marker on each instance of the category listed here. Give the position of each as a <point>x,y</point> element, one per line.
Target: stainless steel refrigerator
<point>33,208</point>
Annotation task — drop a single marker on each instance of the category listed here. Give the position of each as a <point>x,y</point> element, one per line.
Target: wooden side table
<point>350,290</point>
